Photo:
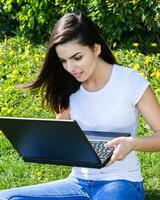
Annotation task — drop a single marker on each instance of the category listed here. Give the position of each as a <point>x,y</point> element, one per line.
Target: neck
<point>100,77</point>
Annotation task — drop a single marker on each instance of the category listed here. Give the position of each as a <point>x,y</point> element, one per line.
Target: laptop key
<point>100,148</point>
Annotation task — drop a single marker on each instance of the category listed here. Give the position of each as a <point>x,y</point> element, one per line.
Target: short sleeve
<point>137,85</point>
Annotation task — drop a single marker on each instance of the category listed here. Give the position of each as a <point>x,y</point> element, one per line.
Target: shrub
<point>119,19</point>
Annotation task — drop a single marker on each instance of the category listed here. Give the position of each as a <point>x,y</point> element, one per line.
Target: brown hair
<point>57,83</point>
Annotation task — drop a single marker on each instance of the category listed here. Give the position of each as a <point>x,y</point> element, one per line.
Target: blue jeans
<point>77,189</point>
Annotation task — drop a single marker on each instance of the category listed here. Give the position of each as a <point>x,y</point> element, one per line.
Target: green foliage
<point>8,21</point>
<point>19,63</point>
<point>118,20</point>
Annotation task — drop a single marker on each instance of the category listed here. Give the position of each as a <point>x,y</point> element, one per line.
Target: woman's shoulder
<point>123,69</point>
<point>126,72</point>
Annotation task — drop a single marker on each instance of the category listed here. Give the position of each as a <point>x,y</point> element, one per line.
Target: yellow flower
<point>43,55</point>
<point>21,79</point>
<point>1,62</point>
<point>11,53</point>
<point>153,74</point>
<point>3,109</point>
<point>39,174</point>
<point>136,66</point>
<point>28,46</point>
<point>158,54</point>
<point>9,110</point>
<point>36,57</point>
<point>148,59</point>
<point>134,2</point>
<point>5,40</point>
<point>15,72</point>
<point>140,54</point>
<point>37,109</point>
<point>153,44</point>
<point>157,74</point>
<point>114,44</point>
<point>136,44</point>
<point>143,74</point>
<point>116,54</point>
<point>26,53</point>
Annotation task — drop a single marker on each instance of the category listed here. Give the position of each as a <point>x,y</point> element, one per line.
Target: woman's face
<point>79,60</point>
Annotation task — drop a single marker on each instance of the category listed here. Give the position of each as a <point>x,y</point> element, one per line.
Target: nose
<point>70,66</point>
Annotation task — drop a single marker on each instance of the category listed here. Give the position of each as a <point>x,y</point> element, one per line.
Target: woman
<point>83,82</point>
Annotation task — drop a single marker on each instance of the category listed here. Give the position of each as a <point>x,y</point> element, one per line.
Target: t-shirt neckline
<point>103,88</point>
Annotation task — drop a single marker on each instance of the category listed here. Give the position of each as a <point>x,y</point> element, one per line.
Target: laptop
<point>59,142</point>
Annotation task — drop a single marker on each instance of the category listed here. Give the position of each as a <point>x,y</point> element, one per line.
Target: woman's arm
<point>150,110</point>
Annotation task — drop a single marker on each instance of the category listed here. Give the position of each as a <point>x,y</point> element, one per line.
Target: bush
<point>119,19</point>
<point>8,21</point>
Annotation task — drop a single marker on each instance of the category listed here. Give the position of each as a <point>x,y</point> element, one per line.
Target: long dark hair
<point>57,83</point>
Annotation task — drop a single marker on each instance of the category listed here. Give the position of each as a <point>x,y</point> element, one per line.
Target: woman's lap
<point>120,190</point>
<point>77,189</point>
<point>53,190</point>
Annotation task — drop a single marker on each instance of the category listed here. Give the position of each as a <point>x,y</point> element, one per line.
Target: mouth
<point>77,75</point>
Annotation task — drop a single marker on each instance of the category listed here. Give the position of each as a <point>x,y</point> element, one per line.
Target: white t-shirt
<point>112,108</point>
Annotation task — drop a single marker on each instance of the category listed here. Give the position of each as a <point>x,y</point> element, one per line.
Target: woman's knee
<point>121,190</point>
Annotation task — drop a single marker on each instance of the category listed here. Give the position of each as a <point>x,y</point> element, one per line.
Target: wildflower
<point>157,74</point>
<point>3,109</point>
<point>148,59</point>
<point>9,110</point>
<point>158,54</point>
<point>26,53</point>
<point>114,44</point>
<point>134,2</point>
<point>11,53</point>
<point>28,46</point>
<point>143,74</point>
<point>116,55</point>
<point>1,62</point>
<point>5,40</point>
<point>140,54</point>
<point>43,55</point>
<point>153,44</point>
<point>136,66</point>
<point>15,72</point>
<point>136,44</point>
<point>37,109</point>
<point>39,174</point>
<point>36,57</point>
<point>21,79</point>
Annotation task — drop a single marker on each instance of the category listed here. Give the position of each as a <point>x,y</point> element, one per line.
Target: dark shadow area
<point>145,41</point>
<point>152,194</point>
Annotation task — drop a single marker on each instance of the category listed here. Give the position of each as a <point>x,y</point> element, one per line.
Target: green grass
<point>20,61</point>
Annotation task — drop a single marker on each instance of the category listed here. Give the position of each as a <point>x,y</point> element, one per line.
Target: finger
<point>113,158</point>
<point>112,143</point>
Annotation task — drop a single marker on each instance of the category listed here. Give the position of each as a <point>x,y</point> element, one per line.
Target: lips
<point>77,75</point>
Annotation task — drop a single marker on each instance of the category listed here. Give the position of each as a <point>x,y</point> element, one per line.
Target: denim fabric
<point>77,189</point>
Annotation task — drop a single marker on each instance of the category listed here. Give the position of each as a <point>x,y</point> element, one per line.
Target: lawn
<point>19,62</point>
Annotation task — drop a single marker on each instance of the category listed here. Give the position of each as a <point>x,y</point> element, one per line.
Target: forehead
<point>70,48</point>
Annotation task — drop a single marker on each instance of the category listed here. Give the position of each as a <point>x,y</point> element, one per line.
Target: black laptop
<point>60,142</point>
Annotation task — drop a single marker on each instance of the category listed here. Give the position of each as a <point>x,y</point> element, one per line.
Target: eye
<point>78,57</point>
<point>62,61</point>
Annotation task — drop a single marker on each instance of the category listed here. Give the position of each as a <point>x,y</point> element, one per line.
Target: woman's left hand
<point>122,146</point>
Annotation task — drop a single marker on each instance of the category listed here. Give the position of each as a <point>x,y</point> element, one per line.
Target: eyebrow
<point>71,56</point>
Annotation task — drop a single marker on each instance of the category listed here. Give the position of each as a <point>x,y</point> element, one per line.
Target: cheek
<point>88,62</point>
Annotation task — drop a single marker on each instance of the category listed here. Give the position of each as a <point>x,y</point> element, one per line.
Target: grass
<point>20,62</point>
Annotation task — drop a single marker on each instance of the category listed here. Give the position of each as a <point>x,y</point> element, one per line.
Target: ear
<point>97,49</point>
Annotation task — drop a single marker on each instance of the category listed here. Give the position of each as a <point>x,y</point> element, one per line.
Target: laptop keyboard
<point>102,151</point>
